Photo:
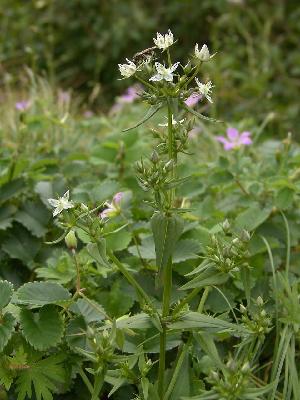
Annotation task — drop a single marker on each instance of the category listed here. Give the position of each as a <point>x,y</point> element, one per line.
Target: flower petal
<point>156,78</point>
<point>232,134</point>
<point>174,67</point>
<point>53,202</point>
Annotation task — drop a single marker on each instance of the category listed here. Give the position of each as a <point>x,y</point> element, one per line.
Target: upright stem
<point>172,155</point>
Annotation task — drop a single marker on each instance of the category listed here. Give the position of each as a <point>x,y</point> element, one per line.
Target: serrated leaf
<point>208,277</point>
<point>166,232</point>
<point>186,249</point>
<point>119,240</point>
<point>42,329</point>
<point>7,324</point>
<point>11,189</point>
<point>251,218</point>
<point>98,252</point>
<point>34,217</point>
<point>6,291</point>
<point>6,216</point>
<point>76,334</point>
<point>44,375</point>
<point>41,293</point>
<point>20,244</point>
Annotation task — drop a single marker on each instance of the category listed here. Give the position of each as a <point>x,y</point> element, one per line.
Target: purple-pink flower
<point>234,139</point>
<point>131,94</point>
<point>23,105</point>
<point>112,209</point>
<point>193,99</point>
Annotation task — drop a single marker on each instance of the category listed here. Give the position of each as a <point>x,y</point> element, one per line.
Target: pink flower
<point>23,105</point>
<point>88,114</point>
<point>131,94</point>
<point>193,99</point>
<point>113,208</point>
<point>234,139</point>
<point>193,133</point>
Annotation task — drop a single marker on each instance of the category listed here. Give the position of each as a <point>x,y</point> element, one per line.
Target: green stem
<point>98,383</point>
<point>86,380</point>
<point>163,334</point>
<point>146,83</point>
<point>172,155</point>
<point>129,277</point>
<point>203,299</point>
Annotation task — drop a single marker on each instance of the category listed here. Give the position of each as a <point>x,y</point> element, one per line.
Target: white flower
<point>62,203</point>
<point>164,73</point>
<point>203,54</point>
<point>164,41</point>
<point>174,122</point>
<point>205,89</point>
<point>127,70</point>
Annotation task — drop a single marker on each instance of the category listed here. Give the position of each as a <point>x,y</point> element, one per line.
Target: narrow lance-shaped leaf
<point>152,110</point>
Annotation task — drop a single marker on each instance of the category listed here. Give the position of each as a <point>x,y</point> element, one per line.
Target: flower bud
<point>226,225</point>
<point>259,301</point>
<point>243,309</point>
<point>71,240</point>
<point>263,313</point>
<point>245,368</point>
<point>154,157</point>
<point>169,165</point>
<point>245,236</point>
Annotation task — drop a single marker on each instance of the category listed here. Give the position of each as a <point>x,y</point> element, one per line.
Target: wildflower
<point>131,94</point>
<point>174,122</point>
<point>205,89</point>
<point>127,70</point>
<point>234,139</point>
<point>62,203</point>
<point>113,208</point>
<point>203,54</point>
<point>164,73</point>
<point>23,105</point>
<point>193,99</point>
<point>164,41</point>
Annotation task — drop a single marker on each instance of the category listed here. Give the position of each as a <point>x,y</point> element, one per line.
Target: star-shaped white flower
<point>205,89</point>
<point>127,70</point>
<point>164,73</point>
<point>164,41</point>
<point>60,204</point>
<point>203,54</point>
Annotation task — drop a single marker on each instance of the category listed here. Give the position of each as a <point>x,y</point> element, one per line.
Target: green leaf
<point>98,252</point>
<point>152,110</point>
<point>44,375</point>
<point>34,216</point>
<point>76,334</point>
<point>42,329</point>
<point>166,232</point>
<point>198,115</point>
<point>251,218</point>
<point>284,198</point>
<point>6,291</point>
<point>119,240</point>
<point>6,216</point>
<point>20,244</point>
<point>89,309</point>
<point>195,320</point>
<point>186,249</point>
<point>208,277</point>
<point>41,293</point>
<point>7,324</point>
<point>11,189</point>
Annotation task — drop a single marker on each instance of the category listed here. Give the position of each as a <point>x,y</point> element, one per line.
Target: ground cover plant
<point>155,263</point>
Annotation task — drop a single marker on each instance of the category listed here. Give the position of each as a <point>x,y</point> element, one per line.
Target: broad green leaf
<point>41,293</point>
<point>166,232</point>
<point>284,198</point>
<point>6,291</point>
<point>186,249</point>
<point>76,334</point>
<point>42,329</point>
<point>119,240</point>
<point>7,323</point>
<point>6,216</point>
<point>11,189</point>
<point>20,244</point>
<point>138,321</point>
<point>251,218</point>
<point>89,309</point>
<point>34,216</point>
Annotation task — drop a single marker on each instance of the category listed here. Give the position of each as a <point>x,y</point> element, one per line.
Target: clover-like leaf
<point>6,291</point>
<point>7,323</point>
<point>42,329</point>
<point>42,293</point>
